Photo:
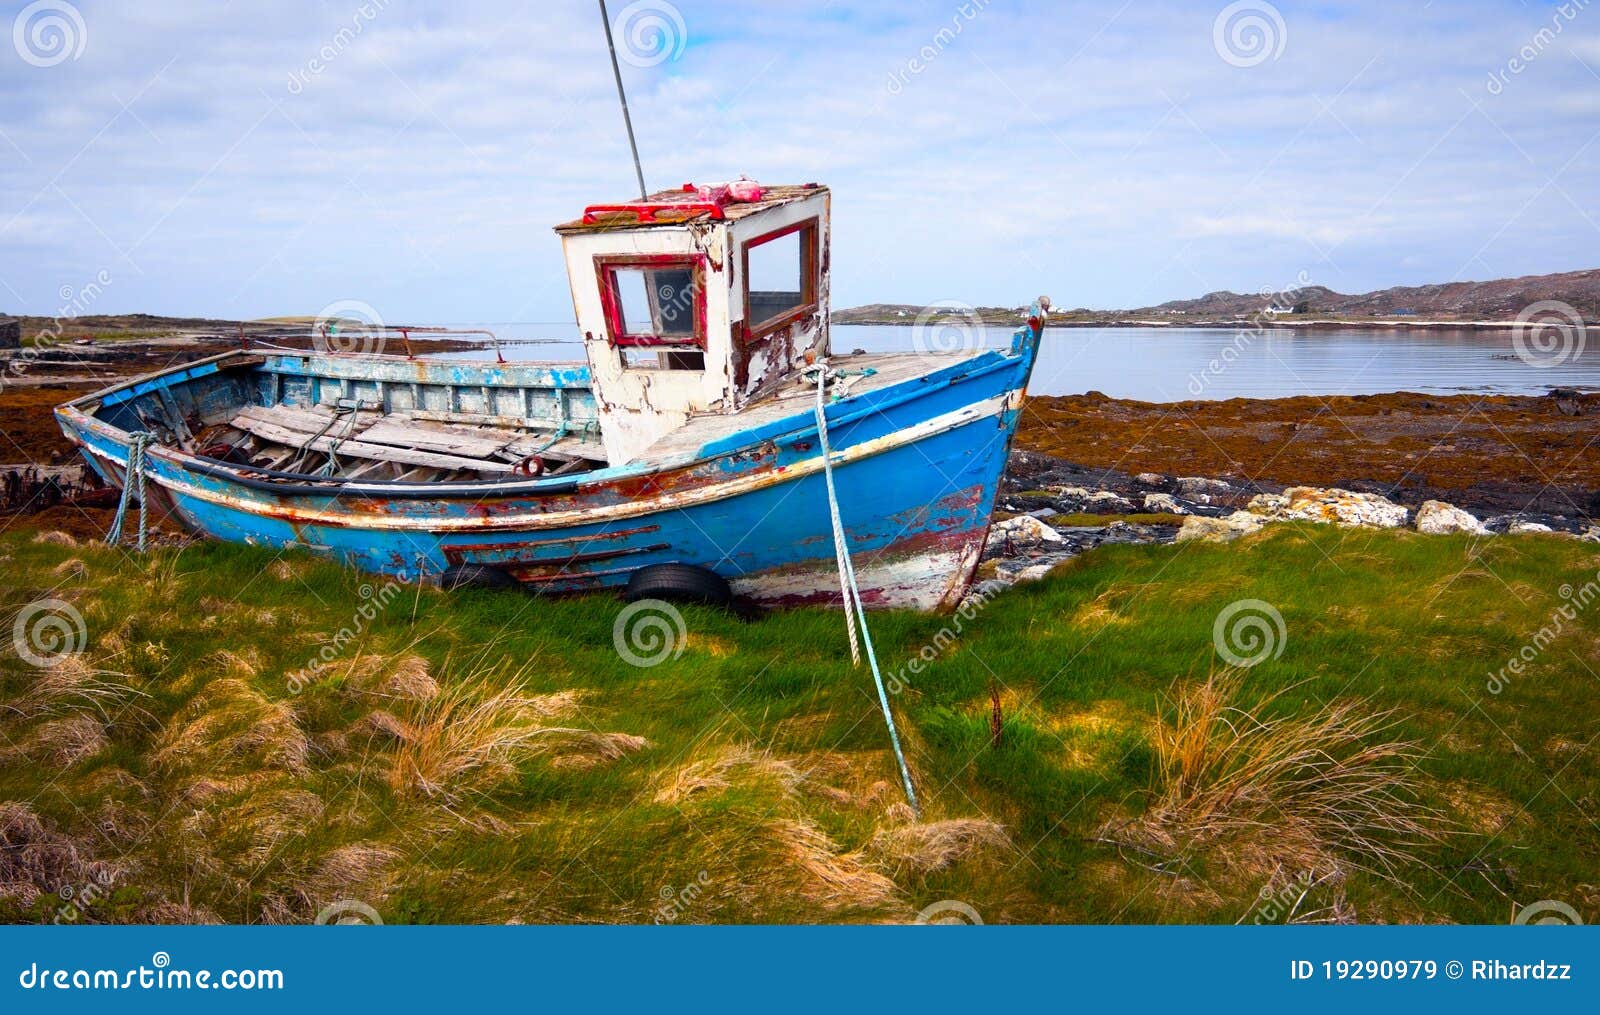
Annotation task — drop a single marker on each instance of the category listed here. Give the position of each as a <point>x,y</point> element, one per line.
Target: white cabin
<point>691,301</point>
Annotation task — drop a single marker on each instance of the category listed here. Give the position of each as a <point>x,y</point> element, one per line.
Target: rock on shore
<point>1041,492</point>
<point>1339,507</point>
<point>1436,518</point>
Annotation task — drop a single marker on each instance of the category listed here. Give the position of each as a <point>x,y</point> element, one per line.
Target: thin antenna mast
<point>622,95</point>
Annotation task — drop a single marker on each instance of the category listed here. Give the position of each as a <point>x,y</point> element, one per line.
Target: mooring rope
<point>855,612</point>
<point>133,474</point>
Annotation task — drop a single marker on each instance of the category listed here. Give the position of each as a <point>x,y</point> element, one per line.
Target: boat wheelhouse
<point>691,435</point>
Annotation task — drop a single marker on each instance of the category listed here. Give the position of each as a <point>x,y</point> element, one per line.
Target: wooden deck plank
<point>402,433</point>
<point>359,449</point>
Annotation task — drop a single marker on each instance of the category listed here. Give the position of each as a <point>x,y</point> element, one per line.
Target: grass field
<point>1082,750</point>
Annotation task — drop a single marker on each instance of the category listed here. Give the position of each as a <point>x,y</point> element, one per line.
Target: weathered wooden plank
<point>390,430</point>
<point>359,449</point>
<point>307,420</point>
<point>513,422</point>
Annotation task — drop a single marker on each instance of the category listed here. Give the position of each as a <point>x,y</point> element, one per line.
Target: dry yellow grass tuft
<point>72,567</point>
<point>719,771</point>
<point>937,845</point>
<point>36,859</point>
<point>55,537</point>
<point>240,665</point>
<point>575,748</point>
<point>471,736</point>
<point>72,686</point>
<point>230,727</point>
<point>349,867</point>
<point>411,680</point>
<point>1263,793</point>
<point>285,570</point>
<point>65,742</point>
<point>830,878</point>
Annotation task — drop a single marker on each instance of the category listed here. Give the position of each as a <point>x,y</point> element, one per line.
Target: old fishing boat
<point>691,442</point>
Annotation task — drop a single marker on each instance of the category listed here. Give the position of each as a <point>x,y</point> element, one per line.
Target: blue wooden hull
<point>917,466</point>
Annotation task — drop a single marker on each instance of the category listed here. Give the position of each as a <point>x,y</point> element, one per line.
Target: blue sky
<point>244,160</point>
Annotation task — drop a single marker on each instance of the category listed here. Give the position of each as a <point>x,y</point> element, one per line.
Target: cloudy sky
<point>253,159</point>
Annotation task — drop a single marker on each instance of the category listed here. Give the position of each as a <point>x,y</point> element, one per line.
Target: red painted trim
<point>605,270</point>
<point>810,277</point>
<point>646,211</point>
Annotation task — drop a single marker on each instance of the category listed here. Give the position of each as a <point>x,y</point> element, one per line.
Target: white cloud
<point>421,166</point>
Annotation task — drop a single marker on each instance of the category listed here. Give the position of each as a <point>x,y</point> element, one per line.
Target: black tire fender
<point>678,583</point>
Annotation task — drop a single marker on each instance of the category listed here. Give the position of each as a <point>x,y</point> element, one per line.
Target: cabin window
<point>780,278</point>
<point>655,310</point>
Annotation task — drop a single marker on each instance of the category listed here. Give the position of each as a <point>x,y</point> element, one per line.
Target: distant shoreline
<point>1223,324</point>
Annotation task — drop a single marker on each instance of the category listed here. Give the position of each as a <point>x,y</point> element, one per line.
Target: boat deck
<point>415,444</point>
<point>800,396</point>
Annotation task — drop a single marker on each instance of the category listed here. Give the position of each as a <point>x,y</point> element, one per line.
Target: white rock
<point>1075,492</point>
<point>1526,528</point>
<point>1591,536</point>
<point>1150,478</point>
<point>1220,530</point>
<point>1333,506</point>
<point>1194,486</point>
<point>1163,502</point>
<point>1436,518</point>
<point>1034,573</point>
<point>1023,531</point>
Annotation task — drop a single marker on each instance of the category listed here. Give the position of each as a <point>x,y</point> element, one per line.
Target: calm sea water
<point>1176,364</point>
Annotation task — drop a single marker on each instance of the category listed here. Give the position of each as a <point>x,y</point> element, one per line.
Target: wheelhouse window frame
<point>606,269</point>
<point>810,231</point>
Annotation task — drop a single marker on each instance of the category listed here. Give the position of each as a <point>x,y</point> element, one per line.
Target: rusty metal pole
<point>623,96</point>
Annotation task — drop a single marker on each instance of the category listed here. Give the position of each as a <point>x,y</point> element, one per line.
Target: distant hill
<point>1498,300</point>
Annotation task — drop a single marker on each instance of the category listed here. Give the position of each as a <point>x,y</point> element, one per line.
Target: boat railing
<point>361,339</point>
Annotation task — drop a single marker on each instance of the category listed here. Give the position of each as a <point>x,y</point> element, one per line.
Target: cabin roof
<point>602,221</point>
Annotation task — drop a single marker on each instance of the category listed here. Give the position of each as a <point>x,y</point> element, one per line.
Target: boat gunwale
<point>787,429</point>
<point>973,412</point>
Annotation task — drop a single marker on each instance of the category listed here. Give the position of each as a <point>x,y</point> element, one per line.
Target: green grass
<point>1137,518</point>
<point>173,759</point>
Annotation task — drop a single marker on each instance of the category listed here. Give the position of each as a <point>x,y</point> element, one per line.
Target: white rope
<point>131,475</point>
<point>855,611</point>
<point>840,554</point>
